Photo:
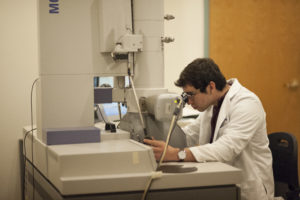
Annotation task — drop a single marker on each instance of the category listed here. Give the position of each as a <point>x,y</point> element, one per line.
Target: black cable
<point>132,17</point>
<point>24,141</point>
<point>31,111</point>
<point>133,32</point>
<point>24,147</point>
<point>119,110</point>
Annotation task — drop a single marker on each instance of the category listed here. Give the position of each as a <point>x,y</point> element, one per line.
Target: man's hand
<point>158,148</point>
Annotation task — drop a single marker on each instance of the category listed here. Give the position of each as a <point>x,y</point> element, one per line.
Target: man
<point>231,128</point>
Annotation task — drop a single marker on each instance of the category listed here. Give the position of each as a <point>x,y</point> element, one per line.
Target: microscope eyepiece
<point>184,97</point>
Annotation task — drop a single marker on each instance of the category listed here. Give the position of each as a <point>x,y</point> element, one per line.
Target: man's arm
<point>171,154</point>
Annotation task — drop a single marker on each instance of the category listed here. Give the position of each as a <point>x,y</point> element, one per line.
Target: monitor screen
<point>111,110</point>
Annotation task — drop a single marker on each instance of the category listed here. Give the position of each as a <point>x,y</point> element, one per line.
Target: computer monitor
<point>111,110</point>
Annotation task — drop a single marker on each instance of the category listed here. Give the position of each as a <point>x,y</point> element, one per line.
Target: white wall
<point>18,69</point>
<point>188,30</point>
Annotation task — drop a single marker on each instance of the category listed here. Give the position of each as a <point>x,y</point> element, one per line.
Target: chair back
<point>285,159</point>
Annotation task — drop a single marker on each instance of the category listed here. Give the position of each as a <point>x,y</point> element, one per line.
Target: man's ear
<point>211,86</point>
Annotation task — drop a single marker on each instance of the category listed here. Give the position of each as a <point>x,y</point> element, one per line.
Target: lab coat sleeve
<point>244,119</point>
<point>192,132</point>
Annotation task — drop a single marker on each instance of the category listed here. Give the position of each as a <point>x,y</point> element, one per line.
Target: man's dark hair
<point>199,73</point>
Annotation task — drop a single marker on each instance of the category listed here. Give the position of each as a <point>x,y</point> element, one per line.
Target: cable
<point>25,136</point>
<point>132,16</point>
<point>104,118</point>
<point>137,103</point>
<point>24,144</point>
<point>156,174</point>
<point>171,129</point>
<point>119,110</point>
<point>31,112</point>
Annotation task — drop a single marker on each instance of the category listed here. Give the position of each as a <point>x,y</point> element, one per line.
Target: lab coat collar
<point>235,87</point>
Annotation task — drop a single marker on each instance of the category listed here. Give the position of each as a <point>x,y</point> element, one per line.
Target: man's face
<point>198,100</point>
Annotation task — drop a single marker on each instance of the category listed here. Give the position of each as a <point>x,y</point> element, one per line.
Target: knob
<point>167,39</point>
<point>169,17</point>
<point>293,84</point>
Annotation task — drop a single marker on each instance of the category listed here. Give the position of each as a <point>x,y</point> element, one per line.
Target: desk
<point>91,171</point>
<point>44,190</point>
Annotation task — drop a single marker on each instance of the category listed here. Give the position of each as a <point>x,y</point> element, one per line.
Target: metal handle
<point>169,17</point>
<point>293,84</point>
<point>167,39</point>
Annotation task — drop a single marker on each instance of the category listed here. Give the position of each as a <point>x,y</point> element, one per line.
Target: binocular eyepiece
<point>184,97</point>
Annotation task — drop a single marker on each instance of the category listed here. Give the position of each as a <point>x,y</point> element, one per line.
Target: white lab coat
<point>240,140</point>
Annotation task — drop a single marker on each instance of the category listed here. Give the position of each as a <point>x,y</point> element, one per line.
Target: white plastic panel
<point>114,22</point>
<point>65,37</point>
<point>149,28</point>
<point>141,92</point>
<point>149,21</point>
<point>148,9</point>
<point>67,102</point>
<point>69,41</point>
<point>97,167</point>
<point>107,135</point>
<point>149,71</point>
<point>162,106</point>
<point>40,153</point>
<point>110,157</point>
<point>152,44</point>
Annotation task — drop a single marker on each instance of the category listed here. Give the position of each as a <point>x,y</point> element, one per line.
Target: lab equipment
<point>83,39</point>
